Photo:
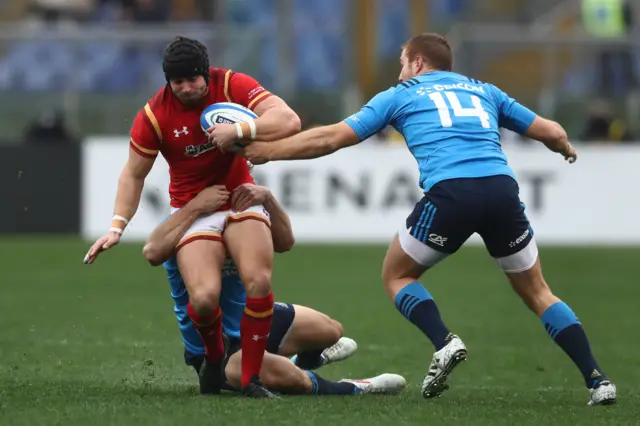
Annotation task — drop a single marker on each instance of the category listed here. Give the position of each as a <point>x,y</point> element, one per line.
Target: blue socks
<point>416,304</point>
<point>565,329</point>
<point>325,387</point>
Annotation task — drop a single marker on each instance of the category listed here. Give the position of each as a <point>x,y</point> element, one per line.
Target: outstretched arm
<point>321,141</point>
<point>310,144</point>
<point>522,120</point>
<point>553,136</point>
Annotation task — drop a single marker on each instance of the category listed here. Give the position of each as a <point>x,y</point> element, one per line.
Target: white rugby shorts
<point>211,226</point>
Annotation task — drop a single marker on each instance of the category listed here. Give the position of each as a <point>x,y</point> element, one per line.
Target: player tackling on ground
<point>451,125</point>
<point>313,338</point>
<point>170,124</point>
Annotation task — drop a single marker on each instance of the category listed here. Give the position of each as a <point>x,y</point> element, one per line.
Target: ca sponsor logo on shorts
<point>437,239</point>
<point>521,238</point>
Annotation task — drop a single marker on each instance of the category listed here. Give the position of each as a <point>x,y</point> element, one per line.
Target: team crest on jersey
<point>195,150</point>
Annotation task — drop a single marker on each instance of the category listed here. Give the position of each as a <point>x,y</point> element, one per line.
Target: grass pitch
<point>99,344</point>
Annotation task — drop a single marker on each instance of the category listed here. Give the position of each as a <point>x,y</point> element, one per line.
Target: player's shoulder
<point>405,85</point>
<point>162,99</point>
<point>390,94</point>
<point>439,80</point>
<point>445,79</point>
<point>489,87</point>
<point>470,84</point>
<point>162,108</point>
<point>220,75</point>
<point>226,75</point>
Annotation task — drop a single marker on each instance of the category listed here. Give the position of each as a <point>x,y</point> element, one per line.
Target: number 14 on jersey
<point>458,111</point>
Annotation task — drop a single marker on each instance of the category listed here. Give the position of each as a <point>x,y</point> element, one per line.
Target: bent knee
<point>152,254</point>
<point>257,282</point>
<point>205,298</point>
<point>328,332</point>
<point>335,331</point>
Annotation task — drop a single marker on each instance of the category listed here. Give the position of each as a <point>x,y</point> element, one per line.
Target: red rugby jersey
<point>165,125</point>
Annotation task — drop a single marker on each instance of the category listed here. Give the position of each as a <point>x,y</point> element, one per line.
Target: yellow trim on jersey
<point>154,121</point>
<point>145,150</point>
<point>227,78</point>
<point>255,314</point>
<point>257,98</point>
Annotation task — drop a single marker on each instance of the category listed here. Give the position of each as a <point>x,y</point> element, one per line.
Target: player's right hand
<point>570,154</point>
<point>248,195</point>
<point>211,198</point>
<point>103,243</point>
<point>257,152</point>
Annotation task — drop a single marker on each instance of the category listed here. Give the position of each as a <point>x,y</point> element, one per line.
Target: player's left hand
<point>248,195</point>
<point>104,243</point>
<point>257,152</point>
<point>224,136</point>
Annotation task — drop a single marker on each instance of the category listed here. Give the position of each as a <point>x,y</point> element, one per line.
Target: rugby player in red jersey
<point>170,124</point>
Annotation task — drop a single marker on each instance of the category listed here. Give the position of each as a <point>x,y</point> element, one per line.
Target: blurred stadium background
<point>99,344</point>
<point>98,60</point>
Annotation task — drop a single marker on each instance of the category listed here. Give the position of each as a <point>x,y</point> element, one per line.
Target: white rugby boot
<point>382,384</point>
<point>442,364</point>
<point>604,393</point>
<point>341,350</point>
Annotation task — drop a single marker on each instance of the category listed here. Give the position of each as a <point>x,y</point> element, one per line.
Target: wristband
<point>246,128</point>
<point>239,131</point>
<point>119,222</point>
<point>118,230</point>
<point>254,131</point>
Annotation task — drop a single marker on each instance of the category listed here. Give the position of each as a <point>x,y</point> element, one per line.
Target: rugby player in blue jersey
<point>451,124</point>
<point>311,338</point>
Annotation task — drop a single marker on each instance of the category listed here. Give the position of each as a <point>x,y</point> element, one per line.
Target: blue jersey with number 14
<point>451,124</point>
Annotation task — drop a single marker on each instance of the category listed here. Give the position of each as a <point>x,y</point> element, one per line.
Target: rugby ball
<point>225,113</point>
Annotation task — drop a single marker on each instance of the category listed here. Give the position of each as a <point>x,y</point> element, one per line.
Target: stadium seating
<point>321,54</point>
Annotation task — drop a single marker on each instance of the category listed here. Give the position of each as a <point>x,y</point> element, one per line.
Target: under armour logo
<point>184,131</point>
